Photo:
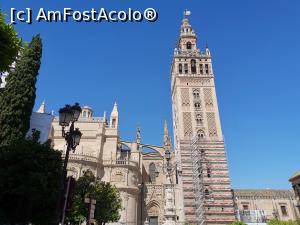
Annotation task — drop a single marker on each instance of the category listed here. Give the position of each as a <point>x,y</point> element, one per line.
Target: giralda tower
<point>196,115</point>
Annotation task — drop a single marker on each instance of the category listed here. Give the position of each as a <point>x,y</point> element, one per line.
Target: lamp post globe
<point>65,116</point>
<point>68,114</point>
<point>76,111</point>
<point>76,135</point>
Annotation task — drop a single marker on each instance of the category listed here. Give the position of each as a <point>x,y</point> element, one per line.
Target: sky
<point>255,47</point>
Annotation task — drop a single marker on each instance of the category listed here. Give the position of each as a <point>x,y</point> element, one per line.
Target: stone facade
<point>258,206</point>
<point>137,170</point>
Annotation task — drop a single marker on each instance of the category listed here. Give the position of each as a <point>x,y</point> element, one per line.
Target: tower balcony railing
<point>83,157</point>
<point>114,162</point>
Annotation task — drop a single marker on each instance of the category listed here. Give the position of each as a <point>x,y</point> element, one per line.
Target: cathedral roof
<point>263,193</point>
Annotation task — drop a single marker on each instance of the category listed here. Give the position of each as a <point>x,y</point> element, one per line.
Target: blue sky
<point>256,51</point>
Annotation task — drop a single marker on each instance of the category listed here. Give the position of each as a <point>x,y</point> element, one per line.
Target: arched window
<point>206,69</point>
<point>180,68</point>
<point>84,114</point>
<point>186,70</point>
<point>201,68</point>
<point>188,45</point>
<point>206,193</point>
<point>152,172</point>
<point>200,134</point>
<point>193,66</point>
<point>196,94</point>
<point>197,106</point>
<point>199,119</point>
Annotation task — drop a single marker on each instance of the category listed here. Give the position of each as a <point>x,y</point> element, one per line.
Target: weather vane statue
<point>186,13</point>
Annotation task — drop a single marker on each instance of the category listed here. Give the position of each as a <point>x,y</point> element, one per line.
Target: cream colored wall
<point>270,206</point>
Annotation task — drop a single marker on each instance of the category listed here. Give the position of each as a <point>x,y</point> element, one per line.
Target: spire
<point>186,28</point>
<point>42,108</point>
<point>166,131</point>
<point>138,136</point>
<point>167,140</point>
<point>207,51</point>
<point>114,117</point>
<point>115,110</point>
<point>188,38</point>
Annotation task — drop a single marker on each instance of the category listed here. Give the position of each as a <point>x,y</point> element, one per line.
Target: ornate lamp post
<point>169,192</point>
<point>168,170</point>
<point>68,114</point>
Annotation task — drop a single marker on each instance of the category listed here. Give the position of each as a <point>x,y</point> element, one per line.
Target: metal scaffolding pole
<point>198,160</point>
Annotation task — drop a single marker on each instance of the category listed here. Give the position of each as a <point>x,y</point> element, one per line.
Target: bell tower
<point>196,116</point>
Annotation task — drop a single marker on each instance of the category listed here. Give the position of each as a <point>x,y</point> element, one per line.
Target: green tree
<point>107,196</point>
<point>281,222</point>
<point>108,204</point>
<point>79,210</point>
<point>30,175</point>
<point>10,44</point>
<point>18,97</point>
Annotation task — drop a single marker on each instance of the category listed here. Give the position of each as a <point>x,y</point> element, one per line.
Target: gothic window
<point>180,68</point>
<point>201,68</point>
<point>199,119</point>
<point>153,220</point>
<point>186,70</point>
<point>193,66</point>
<point>196,94</point>
<point>197,106</point>
<point>200,134</point>
<point>206,68</point>
<point>188,45</point>
<point>206,194</point>
<point>152,172</point>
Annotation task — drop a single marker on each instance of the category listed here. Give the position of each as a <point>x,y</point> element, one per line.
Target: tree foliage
<point>30,175</point>
<point>107,196</point>
<point>10,44</point>
<point>109,203</point>
<point>18,97</point>
<point>79,210</point>
<point>282,222</point>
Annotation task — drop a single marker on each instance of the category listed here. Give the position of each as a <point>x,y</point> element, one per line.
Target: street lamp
<point>68,114</point>
<point>169,192</point>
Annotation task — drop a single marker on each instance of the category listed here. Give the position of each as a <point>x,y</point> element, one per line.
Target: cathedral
<point>187,183</point>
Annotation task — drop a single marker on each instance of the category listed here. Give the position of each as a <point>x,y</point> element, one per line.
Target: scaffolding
<point>198,159</point>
